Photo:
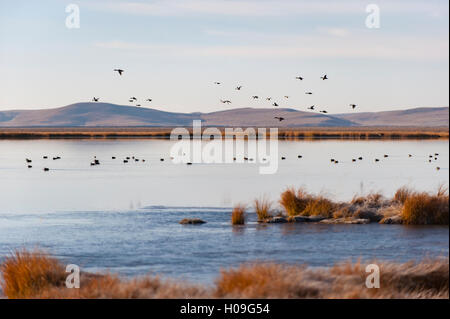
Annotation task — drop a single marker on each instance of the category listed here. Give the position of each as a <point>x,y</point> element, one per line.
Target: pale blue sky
<point>173,51</point>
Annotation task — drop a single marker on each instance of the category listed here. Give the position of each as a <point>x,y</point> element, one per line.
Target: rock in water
<point>192,221</point>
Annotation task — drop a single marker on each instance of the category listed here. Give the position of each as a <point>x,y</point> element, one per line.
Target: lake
<point>124,217</point>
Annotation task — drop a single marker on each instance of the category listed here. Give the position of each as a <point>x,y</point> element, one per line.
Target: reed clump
<point>402,194</point>
<point>421,208</point>
<point>301,203</point>
<point>295,202</point>
<point>319,206</point>
<point>27,273</point>
<point>238,215</point>
<point>263,208</point>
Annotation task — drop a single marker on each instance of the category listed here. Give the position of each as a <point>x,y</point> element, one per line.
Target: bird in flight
<point>324,77</point>
<point>268,98</point>
<point>133,98</point>
<point>95,99</point>
<point>218,83</point>
<point>279,118</point>
<point>120,71</point>
<point>138,105</point>
<point>286,96</point>
<point>309,93</point>
<point>239,87</point>
<point>225,101</point>
<point>323,111</point>
<point>311,107</point>
<point>353,106</point>
<point>149,100</point>
<point>275,104</point>
<point>255,97</point>
<point>299,78</point>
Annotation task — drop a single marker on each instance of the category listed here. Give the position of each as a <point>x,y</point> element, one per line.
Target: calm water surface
<point>124,217</point>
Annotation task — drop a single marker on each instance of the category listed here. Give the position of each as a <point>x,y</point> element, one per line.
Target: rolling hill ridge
<point>113,115</point>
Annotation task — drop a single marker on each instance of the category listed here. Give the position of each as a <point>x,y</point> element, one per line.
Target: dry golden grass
<point>402,194</point>
<point>27,273</point>
<point>295,202</point>
<point>426,209</point>
<point>305,204</point>
<point>428,279</point>
<point>263,208</point>
<point>36,275</point>
<point>284,133</point>
<point>319,206</point>
<point>406,207</point>
<point>238,215</point>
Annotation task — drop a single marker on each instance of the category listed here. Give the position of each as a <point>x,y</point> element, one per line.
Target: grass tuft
<point>402,194</point>
<point>319,206</point>
<point>426,209</point>
<point>26,273</point>
<point>238,215</point>
<point>263,208</point>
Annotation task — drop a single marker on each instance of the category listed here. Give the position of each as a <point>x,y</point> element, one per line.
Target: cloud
<point>301,47</point>
<point>336,32</point>
<point>261,8</point>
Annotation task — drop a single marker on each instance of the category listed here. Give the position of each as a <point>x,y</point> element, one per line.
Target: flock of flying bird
<point>279,118</point>
<point>238,88</point>
<point>133,99</point>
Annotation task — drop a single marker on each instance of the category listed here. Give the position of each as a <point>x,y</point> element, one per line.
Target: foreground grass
<point>37,275</point>
<point>406,207</point>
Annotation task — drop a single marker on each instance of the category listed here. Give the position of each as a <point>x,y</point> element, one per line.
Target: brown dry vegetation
<point>406,207</point>
<point>36,275</point>
<point>283,133</point>
<point>238,215</point>
<point>425,209</point>
<point>263,208</point>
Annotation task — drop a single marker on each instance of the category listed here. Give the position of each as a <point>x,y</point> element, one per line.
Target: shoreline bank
<point>303,133</point>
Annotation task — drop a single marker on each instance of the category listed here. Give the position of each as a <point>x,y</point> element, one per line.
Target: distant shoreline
<point>350,133</point>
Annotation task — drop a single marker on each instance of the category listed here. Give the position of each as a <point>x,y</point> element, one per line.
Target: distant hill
<point>423,116</point>
<point>112,115</point>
